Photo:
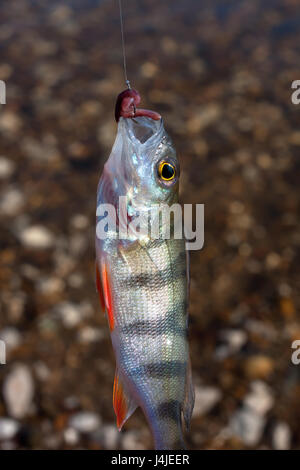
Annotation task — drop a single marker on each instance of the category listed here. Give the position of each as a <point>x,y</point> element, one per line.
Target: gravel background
<point>220,73</point>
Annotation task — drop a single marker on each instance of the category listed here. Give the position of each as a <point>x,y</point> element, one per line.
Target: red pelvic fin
<point>107,297</point>
<point>124,404</point>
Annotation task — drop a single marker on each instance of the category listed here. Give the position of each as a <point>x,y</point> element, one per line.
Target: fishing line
<point>123,45</point>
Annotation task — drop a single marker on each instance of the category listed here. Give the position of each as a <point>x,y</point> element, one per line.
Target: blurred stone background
<point>220,73</point>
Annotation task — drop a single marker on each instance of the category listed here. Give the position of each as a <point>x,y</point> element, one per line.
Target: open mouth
<point>143,128</point>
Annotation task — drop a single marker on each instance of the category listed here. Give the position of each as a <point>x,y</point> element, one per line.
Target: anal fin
<point>99,288</point>
<point>189,399</point>
<point>124,404</point>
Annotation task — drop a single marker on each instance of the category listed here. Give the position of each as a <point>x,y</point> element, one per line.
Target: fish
<point>143,281</point>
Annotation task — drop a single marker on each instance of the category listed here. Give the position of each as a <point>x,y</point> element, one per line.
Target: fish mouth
<point>144,130</point>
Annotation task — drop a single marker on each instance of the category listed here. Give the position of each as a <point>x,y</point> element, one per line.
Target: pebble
<point>11,337</point>
<point>37,237</point>
<point>79,222</point>
<point>206,398</point>
<point>281,438</point>
<point>8,428</point>
<point>85,422</point>
<point>206,116</point>
<point>90,335</point>
<point>273,260</point>
<point>11,202</point>
<point>247,426</point>
<point>71,402</point>
<point>131,441</point>
<point>259,366</point>
<point>42,371</point>
<point>51,285</point>
<point>75,280</point>
<point>149,69</point>
<point>10,123</point>
<point>18,391</point>
<point>16,305</point>
<point>71,436</point>
<point>70,314</point>
<point>78,244</point>
<point>260,399</point>
<point>7,167</point>
<point>234,341</point>
<point>110,437</point>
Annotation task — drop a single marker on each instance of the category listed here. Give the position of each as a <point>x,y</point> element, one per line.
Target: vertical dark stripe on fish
<point>160,369</point>
<point>161,278</point>
<point>169,410</point>
<point>166,324</point>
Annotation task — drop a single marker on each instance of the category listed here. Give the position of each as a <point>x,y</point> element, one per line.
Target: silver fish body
<point>144,285</point>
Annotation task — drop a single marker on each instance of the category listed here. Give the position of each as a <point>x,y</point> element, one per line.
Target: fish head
<point>144,163</point>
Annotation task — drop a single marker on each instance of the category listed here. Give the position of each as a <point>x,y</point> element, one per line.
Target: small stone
<point>265,161</point>
<point>11,202</point>
<point>16,305</point>
<point>11,338</point>
<point>79,222</point>
<point>37,237</point>
<point>106,134</point>
<point>259,366</point>
<point>260,399</point>
<point>70,314</point>
<point>110,437</point>
<point>42,371</point>
<point>71,436</point>
<point>205,399</point>
<point>85,422</point>
<point>247,426</point>
<point>294,138</point>
<point>90,335</point>
<point>234,341</point>
<point>236,207</point>
<point>8,428</point>
<point>131,441</point>
<point>6,167</point>
<point>281,438</point>
<point>10,123</point>
<point>78,244</point>
<point>149,70</point>
<point>53,441</point>
<point>205,117</point>
<point>287,308</point>
<point>284,290</point>
<point>273,260</point>
<point>245,249</point>
<point>75,280</point>
<point>51,285</point>
<point>30,272</point>
<point>18,391</point>
<point>71,402</point>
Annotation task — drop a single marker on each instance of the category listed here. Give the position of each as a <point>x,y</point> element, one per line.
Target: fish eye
<point>166,171</point>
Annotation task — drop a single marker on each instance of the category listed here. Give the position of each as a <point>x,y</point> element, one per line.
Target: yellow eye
<point>166,171</point>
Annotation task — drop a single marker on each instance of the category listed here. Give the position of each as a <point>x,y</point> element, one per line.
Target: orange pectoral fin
<point>124,405</point>
<point>107,297</point>
<point>99,288</point>
<point>119,402</point>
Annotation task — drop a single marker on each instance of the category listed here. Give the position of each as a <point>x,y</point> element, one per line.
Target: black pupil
<point>167,171</point>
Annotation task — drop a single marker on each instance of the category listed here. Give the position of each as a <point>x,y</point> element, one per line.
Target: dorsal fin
<point>124,404</point>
